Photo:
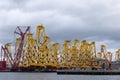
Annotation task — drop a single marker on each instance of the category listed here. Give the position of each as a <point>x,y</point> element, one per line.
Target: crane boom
<point>16,60</point>
<point>20,48</point>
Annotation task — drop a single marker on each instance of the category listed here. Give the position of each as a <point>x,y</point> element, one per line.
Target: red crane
<point>16,60</point>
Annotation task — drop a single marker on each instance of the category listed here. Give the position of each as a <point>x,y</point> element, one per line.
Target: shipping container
<point>2,65</point>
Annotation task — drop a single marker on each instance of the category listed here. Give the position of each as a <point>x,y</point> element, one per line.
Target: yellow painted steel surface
<point>39,51</point>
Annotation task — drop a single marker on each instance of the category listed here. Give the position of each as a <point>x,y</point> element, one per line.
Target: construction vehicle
<point>18,52</point>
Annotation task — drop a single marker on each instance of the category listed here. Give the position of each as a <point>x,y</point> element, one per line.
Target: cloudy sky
<point>93,20</point>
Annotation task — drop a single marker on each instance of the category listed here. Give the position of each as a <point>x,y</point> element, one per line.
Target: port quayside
<point>37,53</point>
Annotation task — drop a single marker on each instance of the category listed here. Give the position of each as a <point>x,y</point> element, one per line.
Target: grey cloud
<point>93,20</point>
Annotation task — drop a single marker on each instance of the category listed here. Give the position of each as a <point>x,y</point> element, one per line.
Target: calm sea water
<point>53,76</point>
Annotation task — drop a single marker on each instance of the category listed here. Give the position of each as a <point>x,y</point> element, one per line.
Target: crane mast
<point>18,50</point>
<point>38,53</point>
